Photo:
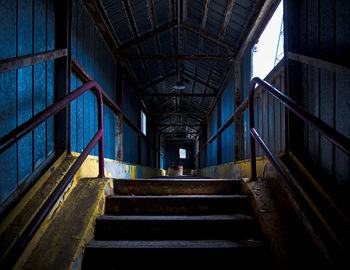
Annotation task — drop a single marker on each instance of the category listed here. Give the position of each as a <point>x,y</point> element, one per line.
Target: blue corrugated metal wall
<point>26,27</point>
<point>91,52</point>
<point>227,109</point>
<point>246,72</point>
<point>130,136</point>
<point>129,144</point>
<point>211,152</point>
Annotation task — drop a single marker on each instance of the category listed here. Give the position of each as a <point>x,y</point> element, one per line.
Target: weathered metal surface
<point>317,81</point>
<point>178,57</point>
<point>27,46</point>
<point>18,133</point>
<point>14,63</point>
<point>176,205</point>
<point>94,61</point>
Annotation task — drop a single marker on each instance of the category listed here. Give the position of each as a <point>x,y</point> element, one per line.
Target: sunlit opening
<point>269,49</point>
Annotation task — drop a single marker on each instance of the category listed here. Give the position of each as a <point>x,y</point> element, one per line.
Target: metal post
<point>101,141</point>
<point>252,125</point>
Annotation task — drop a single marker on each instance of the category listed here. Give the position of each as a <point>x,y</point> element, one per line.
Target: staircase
<point>179,221</point>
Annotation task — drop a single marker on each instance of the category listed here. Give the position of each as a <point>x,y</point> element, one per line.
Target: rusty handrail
<point>330,133</point>
<point>15,135</point>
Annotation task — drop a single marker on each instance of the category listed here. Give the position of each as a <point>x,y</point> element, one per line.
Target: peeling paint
<point>240,169</point>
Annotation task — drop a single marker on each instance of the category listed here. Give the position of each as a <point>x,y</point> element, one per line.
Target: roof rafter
<point>209,38</point>
<point>189,76</point>
<point>221,36</point>
<point>153,34</point>
<point>155,82</point>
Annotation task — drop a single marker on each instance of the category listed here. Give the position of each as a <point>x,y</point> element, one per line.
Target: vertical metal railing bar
<point>330,133</point>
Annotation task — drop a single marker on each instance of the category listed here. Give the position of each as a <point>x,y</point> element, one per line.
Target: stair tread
<point>233,196</point>
<point>176,217</point>
<point>175,244</point>
<point>178,180</point>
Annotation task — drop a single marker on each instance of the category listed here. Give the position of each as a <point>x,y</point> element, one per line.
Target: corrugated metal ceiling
<point>198,76</point>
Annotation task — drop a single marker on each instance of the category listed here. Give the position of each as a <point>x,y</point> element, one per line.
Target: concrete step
<point>181,253</point>
<point>238,226</point>
<point>177,205</point>
<point>177,187</point>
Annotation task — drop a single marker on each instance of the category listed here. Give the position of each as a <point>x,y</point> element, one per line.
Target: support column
<point>139,136</point>
<point>61,75</point>
<point>239,125</point>
<point>219,141</point>
<point>119,102</point>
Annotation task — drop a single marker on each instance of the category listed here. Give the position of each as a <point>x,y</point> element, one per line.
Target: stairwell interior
<point>103,102</point>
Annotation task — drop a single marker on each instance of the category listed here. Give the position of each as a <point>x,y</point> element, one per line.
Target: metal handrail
<point>15,135</point>
<point>329,132</point>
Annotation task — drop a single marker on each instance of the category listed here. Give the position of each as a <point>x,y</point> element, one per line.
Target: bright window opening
<point>182,153</point>
<point>143,123</point>
<point>268,51</point>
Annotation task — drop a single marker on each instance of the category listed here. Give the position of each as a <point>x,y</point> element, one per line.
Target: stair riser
<point>175,230</point>
<point>174,206</point>
<point>183,258</point>
<point>168,187</point>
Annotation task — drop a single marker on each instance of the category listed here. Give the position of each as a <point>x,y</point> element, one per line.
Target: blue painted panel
<point>109,133</point>
<point>246,134</point>
<point>129,102</point>
<point>39,26</point>
<point>50,45</point>
<point>24,88</point>
<point>212,153</point>
<point>212,123</point>
<point>74,28</point>
<point>7,29</point>
<point>129,144</point>
<point>246,69</point>
<point>73,116</point>
<point>8,162</point>
<point>39,94</point>
<point>25,33</point>
<point>39,87</point>
<point>80,121</point>
<point>228,146</point>
<point>227,100</point>
<point>50,41</point>
<point>24,113</point>
<point>145,161</point>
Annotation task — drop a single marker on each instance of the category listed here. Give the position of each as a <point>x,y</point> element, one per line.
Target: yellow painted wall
<point>239,169</point>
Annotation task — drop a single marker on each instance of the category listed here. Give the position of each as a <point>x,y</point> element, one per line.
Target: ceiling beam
<point>209,38</point>
<point>178,133</point>
<point>263,12</point>
<point>189,76</point>
<point>155,82</point>
<point>153,34</point>
<point>195,104</point>
<point>161,105</point>
<point>221,36</point>
<point>227,19</point>
<point>177,57</point>
<point>177,139</point>
<point>205,15</point>
<point>177,113</point>
<point>199,120</point>
<point>174,94</point>
<point>136,35</point>
<point>106,30</point>
<point>179,125</point>
<point>154,27</point>
<point>103,25</point>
